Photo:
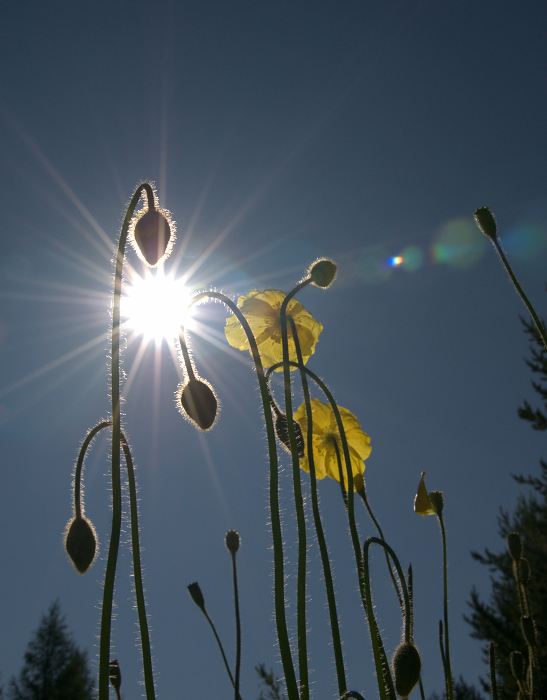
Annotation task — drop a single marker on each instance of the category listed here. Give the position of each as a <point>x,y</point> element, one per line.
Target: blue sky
<point>275,132</point>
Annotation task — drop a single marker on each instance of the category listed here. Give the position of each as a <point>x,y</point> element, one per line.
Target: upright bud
<point>152,236</point>
<point>115,675</point>
<point>486,222</point>
<point>407,665</point>
<point>81,543</point>
<point>282,431</point>
<point>233,541</point>
<point>198,403</point>
<point>197,596</point>
<point>322,273</point>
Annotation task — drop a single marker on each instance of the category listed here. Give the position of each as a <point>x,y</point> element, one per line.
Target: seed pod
<point>486,222</point>
<point>197,401</point>
<point>323,272</point>
<point>233,541</point>
<point>152,234</point>
<point>407,665</point>
<point>81,543</point>
<point>282,431</point>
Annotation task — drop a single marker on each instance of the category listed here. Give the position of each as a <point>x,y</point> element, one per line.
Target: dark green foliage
<point>54,667</point>
<point>272,689</point>
<point>498,619</point>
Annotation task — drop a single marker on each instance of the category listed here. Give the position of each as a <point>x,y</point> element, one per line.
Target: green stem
<point>110,575</point>
<point>80,464</point>
<point>448,670</point>
<point>238,626</point>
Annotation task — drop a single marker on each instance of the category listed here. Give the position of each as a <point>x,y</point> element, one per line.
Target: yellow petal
<point>422,504</point>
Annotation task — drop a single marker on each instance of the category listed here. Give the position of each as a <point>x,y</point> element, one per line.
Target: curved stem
<point>110,575</point>
<point>80,464</point>
<point>277,535</point>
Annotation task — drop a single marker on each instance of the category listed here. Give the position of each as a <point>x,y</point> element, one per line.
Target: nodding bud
<point>197,401</point>
<point>197,596</point>
<point>81,543</point>
<point>282,431</point>
<point>152,235</point>
<point>233,541</point>
<point>407,665</point>
<point>517,665</point>
<point>322,273</point>
<point>486,222</point>
<point>514,545</point>
<point>115,674</point>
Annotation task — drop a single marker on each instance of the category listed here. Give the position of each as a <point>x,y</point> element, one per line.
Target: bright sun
<point>155,306</point>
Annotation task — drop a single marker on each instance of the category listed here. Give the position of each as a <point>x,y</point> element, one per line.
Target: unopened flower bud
<point>197,596</point>
<point>233,541</point>
<point>197,401</point>
<point>81,543</point>
<point>517,665</point>
<point>152,235</point>
<point>115,674</point>
<point>514,545</point>
<point>282,431</point>
<point>323,273</point>
<point>407,665</point>
<point>486,222</point>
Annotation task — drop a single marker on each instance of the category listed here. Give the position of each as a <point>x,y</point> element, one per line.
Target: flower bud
<point>197,596</point>
<point>81,543</point>
<point>198,403</point>
<point>233,541</point>
<point>115,675</point>
<point>514,545</point>
<point>517,665</point>
<point>486,222</point>
<point>152,234</point>
<point>282,431</point>
<point>322,273</point>
<point>407,665</point>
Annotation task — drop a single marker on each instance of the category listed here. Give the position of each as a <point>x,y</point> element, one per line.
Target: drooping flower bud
<point>115,675</point>
<point>197,596</point>
<point>486,222</point>
<point>81,543</point>
<point>152,236</point>
<point>233,541</point>
<point>197,401</point>
<point>407,665</point>
<point>514,545</point>
<point>323,273</point>
<point>282,431</point>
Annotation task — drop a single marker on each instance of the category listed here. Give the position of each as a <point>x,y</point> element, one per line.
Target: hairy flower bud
<point>197,596</point>
<point>115,675</point>
<point>514,545</point>
<point>486,222</point>
<point>407,665</point>
<point>233,541</point>
<point>282,431</point>
<point>152,235</point>
<point>323,273</point>
<point>197,401</point>
<point>81,543</point>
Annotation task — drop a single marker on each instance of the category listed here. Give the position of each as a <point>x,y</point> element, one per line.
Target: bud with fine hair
<point>486,222</point>
<point>407,665</point>
<point>152,236</point>
<point>115,675</point>
<point>81,543</point>
<point>198,403</point>
<point>282,432</point>
<point>323,273</point>
<point>233,541</point>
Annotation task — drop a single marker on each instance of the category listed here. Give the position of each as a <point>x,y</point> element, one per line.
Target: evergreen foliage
<point>54,667</point>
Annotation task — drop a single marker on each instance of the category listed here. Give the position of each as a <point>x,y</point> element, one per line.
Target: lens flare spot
<point>459,244</point>
<point>526,241</point>
<point>396,260</point>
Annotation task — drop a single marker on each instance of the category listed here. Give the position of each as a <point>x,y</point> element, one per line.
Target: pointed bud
<point>197,402</point>
<point>282,431</point>
<point>197,596</point>
<point>407,665</point>
<point>486,222</point>
<point>322,273</point>
<point>514,545</point>
<point>152,236</point>
<point>81,543</point>
<point>233,541</point>
<point>115,675</point>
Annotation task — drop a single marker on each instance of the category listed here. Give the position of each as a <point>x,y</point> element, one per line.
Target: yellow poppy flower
<point>262,309</point>
<point>324,433</point>
<point>427,504</point>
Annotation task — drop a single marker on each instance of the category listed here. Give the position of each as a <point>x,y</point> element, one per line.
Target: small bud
<point>517,665</point>
<point>282,431</point>
<point>323,273</point>
<point>514,544</point>
<point>486,222</point>
<point>81,543</point>
<point>152,235</point>
<point>197,401</point>
<point>197,596</point>
<point>529,630</point>
<point>233,541</point>
<point>407,665</point>
<point>115,675</point>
